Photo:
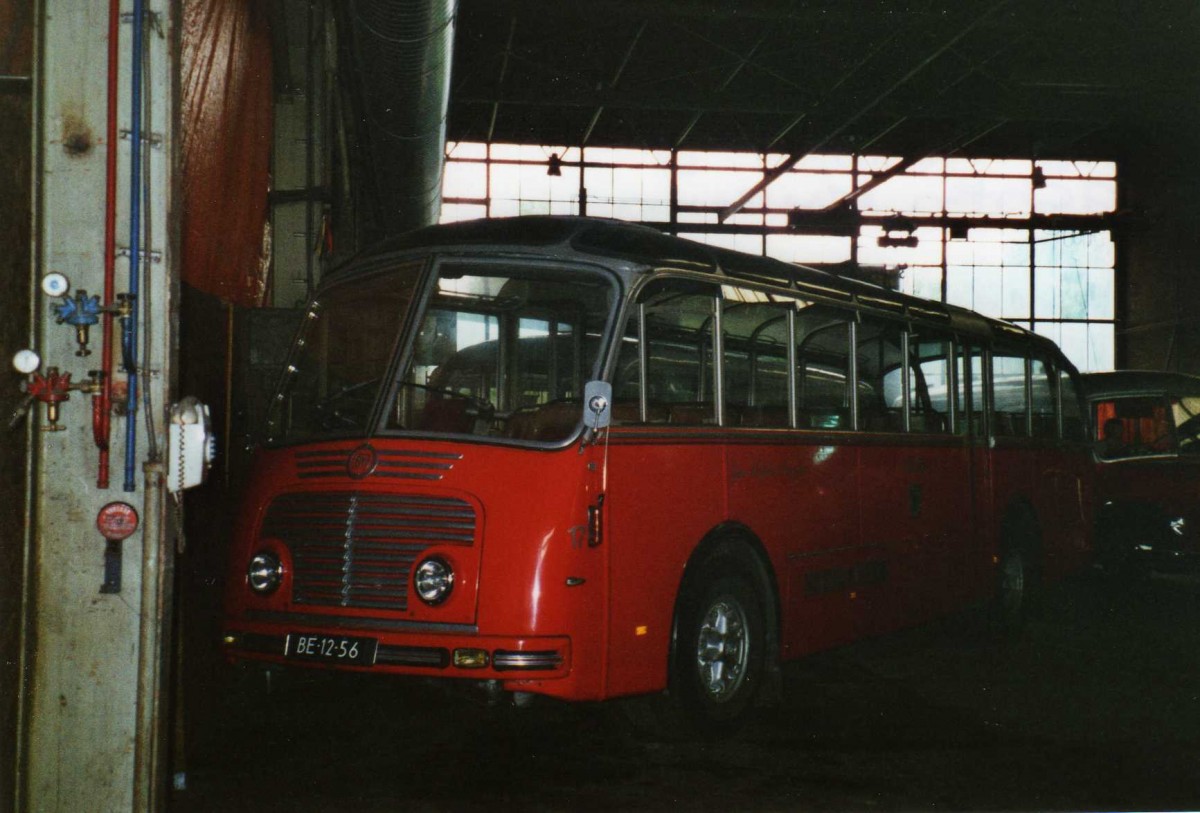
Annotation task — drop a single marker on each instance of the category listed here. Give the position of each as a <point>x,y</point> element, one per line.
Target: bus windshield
<point>504,351</point>
<point>341,356</point>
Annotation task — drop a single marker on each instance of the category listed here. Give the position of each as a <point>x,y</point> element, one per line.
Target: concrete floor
<point>1095,706</point>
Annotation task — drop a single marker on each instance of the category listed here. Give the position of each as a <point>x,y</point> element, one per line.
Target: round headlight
<point>264,573</point>
<point>434,579</point>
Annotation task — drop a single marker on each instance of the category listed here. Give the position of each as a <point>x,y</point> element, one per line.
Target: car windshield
<point>341,356</point>
<point>1186,412</point>
<point>504,351</point>
<point>1134,427</point>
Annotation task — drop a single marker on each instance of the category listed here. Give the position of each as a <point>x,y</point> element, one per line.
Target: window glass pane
<point>504,352</point>
<point>904,194</point>
<point>929,382</point>
<point>1186,415</point>
<point>335,372</point>
<point>705,187</point>
<point>1072,412</point>
<point>1134,427</point>
<point>808,248</point>
<point>994,197</point>
<point>1008,395</point>
<point>922,281</point>
<point>807,190</point>
<point>679,374</point>
<point>880,375</point>
<point>1101,295</point>
<point>1076,197</point>
<point>823,369</point>
<point>756,358</point>
<point>1042,384</point>
<point>970,376</point>
<point>823,390</point>
<point>1015,293</point>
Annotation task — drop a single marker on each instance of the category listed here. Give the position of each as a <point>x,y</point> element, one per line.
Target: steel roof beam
<point>774,174</point>
<point>587,134</point>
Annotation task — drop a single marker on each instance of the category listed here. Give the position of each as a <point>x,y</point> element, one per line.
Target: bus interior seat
<point>770,417</point>
<point>691,414</point>
<point>629,412</point>
<point>446,415</point>
<point>931,422</point>
<point>553,421</point>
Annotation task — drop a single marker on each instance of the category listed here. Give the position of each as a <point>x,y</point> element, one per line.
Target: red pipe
<point>102,403</point>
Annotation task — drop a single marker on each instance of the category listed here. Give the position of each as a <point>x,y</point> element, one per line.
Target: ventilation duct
<point>402,54</point>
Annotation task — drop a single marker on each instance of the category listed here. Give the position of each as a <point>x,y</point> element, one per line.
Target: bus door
<point>665,465</point>
<point>946,478</point>
<point>915,471</point>
<point>975,554</point>
<point>800,489</point>
<point>1063,466</point>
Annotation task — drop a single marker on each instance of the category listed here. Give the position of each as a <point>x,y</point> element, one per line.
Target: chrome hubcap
<point>722,649</point>
<point>1012,581</point>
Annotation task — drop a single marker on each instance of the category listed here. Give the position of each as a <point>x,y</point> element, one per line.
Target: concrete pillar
<point>91,722</point>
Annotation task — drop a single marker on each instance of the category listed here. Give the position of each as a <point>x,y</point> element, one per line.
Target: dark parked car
<point>1147,434</point>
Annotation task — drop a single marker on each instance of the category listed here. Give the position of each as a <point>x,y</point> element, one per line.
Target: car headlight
<point>434,580</point>
<point>264,573</point>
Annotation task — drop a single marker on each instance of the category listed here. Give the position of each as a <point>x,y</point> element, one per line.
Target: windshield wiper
<point>331,416</point>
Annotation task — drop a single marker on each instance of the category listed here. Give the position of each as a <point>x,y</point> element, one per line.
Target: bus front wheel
<point>719,653</point>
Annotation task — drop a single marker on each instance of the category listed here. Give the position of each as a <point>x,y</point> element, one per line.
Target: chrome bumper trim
<point>349,622</point>
<point>510,661</point>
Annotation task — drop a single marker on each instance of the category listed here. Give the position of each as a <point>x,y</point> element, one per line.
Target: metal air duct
<point>402,51</point>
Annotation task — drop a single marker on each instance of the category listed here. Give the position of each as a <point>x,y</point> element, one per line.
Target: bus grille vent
<point>400,464</point>
<point>357,550</point>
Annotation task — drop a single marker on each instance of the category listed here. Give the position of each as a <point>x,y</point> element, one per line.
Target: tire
<point>1013,578</point>
<point>718,654</point>
<point>1018,575</point>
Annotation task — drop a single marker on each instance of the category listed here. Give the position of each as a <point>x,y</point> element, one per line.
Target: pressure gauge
<point>26,362</point>
<point>55,284</point>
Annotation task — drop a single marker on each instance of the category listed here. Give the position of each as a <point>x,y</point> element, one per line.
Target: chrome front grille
<point>410,464</point>
<point>351,549</point>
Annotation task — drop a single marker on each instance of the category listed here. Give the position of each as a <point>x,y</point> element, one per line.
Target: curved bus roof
<point>639,249</point>
<point>1139,382</point>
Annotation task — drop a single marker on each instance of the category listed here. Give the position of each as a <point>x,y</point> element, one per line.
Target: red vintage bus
<point>583,459</point>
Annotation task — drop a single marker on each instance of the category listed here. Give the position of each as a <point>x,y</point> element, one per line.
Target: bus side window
<point>1008,394</point>
<point>881,376</point>
<point>970,379</point>
<point>678,355</point>
<point>755,338</point>
<point>929,384</point>
<point>1072,412</point>
<point>823,381</point>
<point>1043,408</point>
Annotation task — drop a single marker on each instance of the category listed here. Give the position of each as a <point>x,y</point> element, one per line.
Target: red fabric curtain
<point>227,130</point>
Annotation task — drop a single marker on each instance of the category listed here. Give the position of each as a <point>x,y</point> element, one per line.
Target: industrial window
<point>1018,239</point>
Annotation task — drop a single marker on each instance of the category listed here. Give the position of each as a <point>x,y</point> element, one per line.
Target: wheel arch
<point>1021,526</point>
<point>735,543</point>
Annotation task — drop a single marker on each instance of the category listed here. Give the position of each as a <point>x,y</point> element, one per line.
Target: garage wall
<point>1161,258</point>
<point>15,130</point>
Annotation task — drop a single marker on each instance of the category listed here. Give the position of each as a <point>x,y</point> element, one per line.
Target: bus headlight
<point>264,573</point>
<point>434,580</point>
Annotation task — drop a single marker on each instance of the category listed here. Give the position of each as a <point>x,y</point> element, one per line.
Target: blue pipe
<point>129,334</point>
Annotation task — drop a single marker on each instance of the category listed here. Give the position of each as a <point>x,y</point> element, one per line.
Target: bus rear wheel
<point>719,654</point>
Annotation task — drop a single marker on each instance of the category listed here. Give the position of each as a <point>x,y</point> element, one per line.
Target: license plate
<point>331,648</point>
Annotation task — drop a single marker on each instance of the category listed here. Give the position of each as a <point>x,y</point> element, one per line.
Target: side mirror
<point>597,405</point>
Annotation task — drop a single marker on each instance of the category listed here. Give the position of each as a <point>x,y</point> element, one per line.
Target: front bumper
<point>454,651</point>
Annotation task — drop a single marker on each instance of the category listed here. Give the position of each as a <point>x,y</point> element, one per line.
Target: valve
<point>51,389</point>
<point>82,312</point>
